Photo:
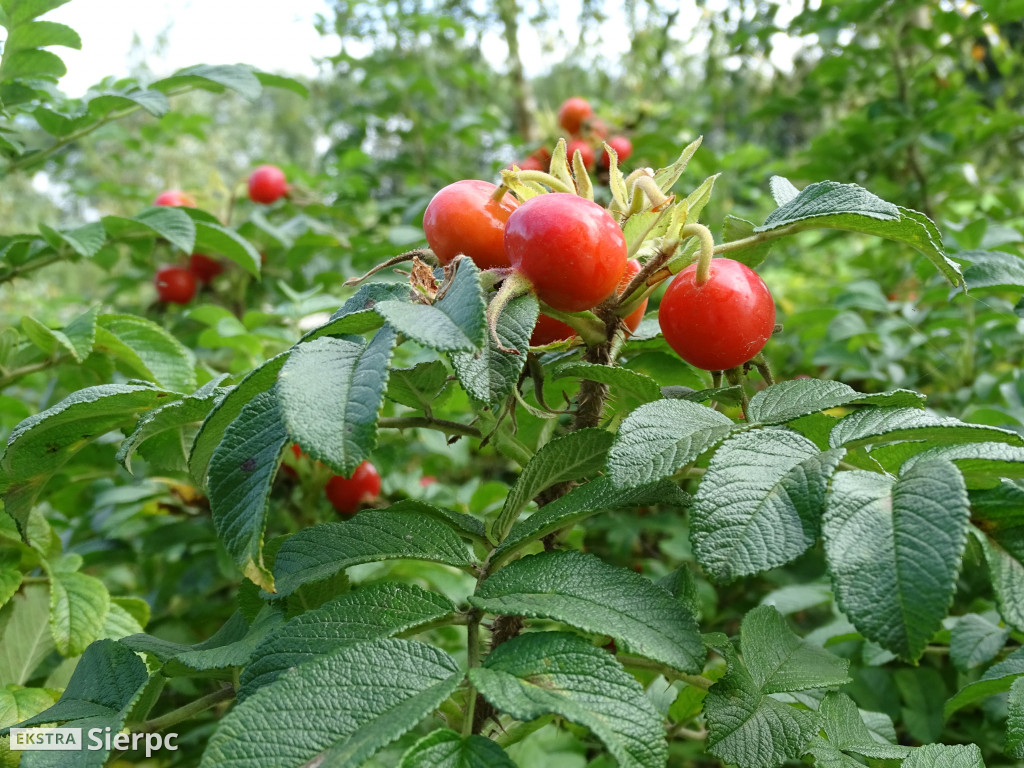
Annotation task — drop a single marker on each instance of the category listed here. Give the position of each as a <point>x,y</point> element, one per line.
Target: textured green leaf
<point>759,504</point>
<point>41,444</point>
<point>215,238</point>
<point>79,604</point>
<point>779,661</point>
<point>148,350</point>
<point>17,703</point>
<point>1014,746</point>
<point>26,634</point>
<point>557,673</point>
<point>1007,574</point>
<point>585,592</point>
<point>330,392</point>
<point>830,205</point>
<point>736,228</point>
<point>894,549</point>
<point>879,425</point>
<point>445,748</point>
<point>419,386</point>
<point>847,732</point>
<point>242,470</point>
<point>632,388</point>
<point>945,756</point>
<point>377,610</point>
<point>41,34</point>
<point>153,102</point>
<point>228,655</point>
<point>489,375</point>
<point>21,11</point>
<point>992,269</point>
<point>214,77</point>
<point>659,438</point>
<point>975,640</point>
<point>33,64</point>
<point>582,502</point>
<point>210,433</point>
<point>172,224</point>
<point>366,696</point>
<point>356,316</point>
<point>10,580</point>
<point>569,457</point>
<point>86,240</point>
<point>454,323</point>
<point>981,463</point>
<point>996,679</point>
<point>789,400</point>
<point>231,633</point>
<point>373,535</point>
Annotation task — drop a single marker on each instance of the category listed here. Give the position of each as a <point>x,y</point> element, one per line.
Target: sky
<point>273,35</point>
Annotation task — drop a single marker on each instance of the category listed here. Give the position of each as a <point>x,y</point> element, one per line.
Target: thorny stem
<point>441,425</point>
<point>186,712</point>
<point>423,253</point>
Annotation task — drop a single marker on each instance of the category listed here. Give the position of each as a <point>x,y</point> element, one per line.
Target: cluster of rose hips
<point>586,135</point>
<point>348,494</point>
<point>177,285</point>
<point>717,314</point>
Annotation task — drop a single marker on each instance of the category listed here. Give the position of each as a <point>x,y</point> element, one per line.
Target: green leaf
<point>78,609</point>
<point>489,375</point>
<point>830,205</point>
<point>569,457</point>
<point>373,535</point>
<point>26,634</point>
<point>153,102</point>
<point>215,238</point>
<point>582,502</point>
<point>419,386</point>
<point>41,444</point>
<point>10,581</point>
<point>32,64</point>
<point>47,339</point>
<point>894,549</point>
<point>445,748</point>
<point>981,463</point>
<point>228,655</point>
<point>789,400</point>
<point>17,703</point>
<point>945,756</point>
<point>632,388</point>
<point>996,679</point>
<point>759,504</point>
<point>585,592</point>
<point>210,433</point>
<point>847,732</point>
<point>1007,574</point>
<point>992,269</point>
<point>172,224</point>
<point>21,11</point>
<point>736,228</point>
<point>880,425</point>
<point>975,641</point>
<point>1014,746</point>
<point>367,695</point>
<point>148,350</point>
<point>241,472</point>
<point>659,438</point>
<point>779,661</point>
<point>214,77</point>
<point>374,611</point>
<point>330,392</point>
<point>86,240</point>
<point>231,633</point>
<point>554,672</point>
<point>268,80</point>
<point>41,34</point>
<point>454,323</point>
<point>356,316</point>
<point>168,432</point>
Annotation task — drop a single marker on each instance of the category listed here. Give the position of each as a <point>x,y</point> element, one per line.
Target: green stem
<point>545,178</point>
<point>186,712</point>
<point>586,324</point>
<point>520,731</point>
<point>697,681</point>
<point>750,242</point>
<point>30,266</point>
<point>473,655</point>
<point>426,422</point>
<point>514,285</point>
<point>707,250</point>
<point>9,377</point>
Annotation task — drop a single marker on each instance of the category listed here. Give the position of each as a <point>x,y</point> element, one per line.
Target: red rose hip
<point>175,285</point>
<point>267,184</point>
<point>347,494</point>
<point>175,197</point>
<point>573,112</point>
<point>464,218</point>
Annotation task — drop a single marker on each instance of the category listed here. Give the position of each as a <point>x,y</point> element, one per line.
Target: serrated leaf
<point>168,432</point>
<point>41,34</point>
<point>759,504</point>
<point>782,190</point>
<point>148,350</point>
<point>631,388</point>
<point>228,655</point>
<point>172,224</point>
<point>454,323</point>
<point>374,611</point>
<point>894,549</point>
<point>32,64</point>
<point>979,462</point>
<point>395,533</point>
<point>210,433</point>
<point>419,386</point>
<point>241,472</point>
<point>659,438</point>
<point>214,77</point>
<point>582,502</point>
<point>445,748</point>
<point>268,80</point>
<point>10,580</point>
<point>366,695</point>
<point>780,662</point>
<point>330,391</point>
<point>945,756</point>
<point>215,238</point>
<point>879,425</point>
<point>569,457</point>
<point>230,633</point>
<point>79,604</point>
<point>583,591</point>
<point>356,316</point>
<point>18,703</point>
<point>26,634</point>
<point>735,229</point>
<point>557,673</point>
<point>42,443</point>
<point>789,400</point>
<point>153,102</point>
<point>1014,746</point>
<point>1007,575</point>
<point>86,240</point>
<point>847,732</point>
<point>828,204</point>
<point>992,269</point>
<point>975,641</point>
<point>667,177</point>
<point>996,679</point>
<point>490,375</point>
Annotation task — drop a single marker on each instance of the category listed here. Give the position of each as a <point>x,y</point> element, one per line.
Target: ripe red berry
<point>267,184</point>
<point>722,323</point>
<point>632,320</point>
<point>427,480</point>
<point>464,218</point>
<point>623,149</point>
<point>347,494</point>
<point>203,267</point>
<point>531,163</point>
<point>548,330</point>
<point>585,150</point>
<point>597,128</point>
<point>175,197</point>
<point>296,451</point>
<point>573,112</point>
<point>175,284</point>
<point>569,248</point>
